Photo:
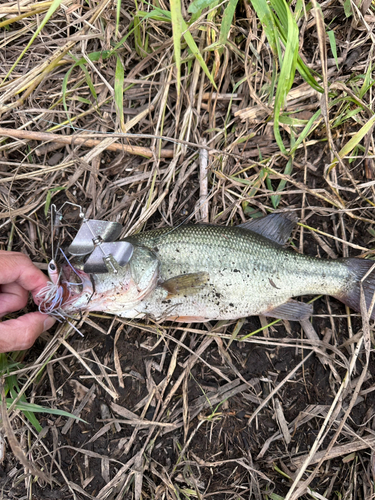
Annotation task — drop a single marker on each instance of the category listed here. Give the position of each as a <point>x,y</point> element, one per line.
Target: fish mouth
<point>70,293</point>
<point>79,286</point>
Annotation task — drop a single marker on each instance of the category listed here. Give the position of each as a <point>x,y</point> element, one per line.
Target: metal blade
<point>91,229</point>
<point>121,251</point>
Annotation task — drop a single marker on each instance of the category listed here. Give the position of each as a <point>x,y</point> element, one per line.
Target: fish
<point>203,272</point>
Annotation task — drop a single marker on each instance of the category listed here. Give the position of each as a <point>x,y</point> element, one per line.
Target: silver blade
<point>91,229</point>
<point>121,251</point>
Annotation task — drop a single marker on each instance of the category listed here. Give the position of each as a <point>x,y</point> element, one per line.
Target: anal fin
<point>185,284</point>
<point>187,319</point>
<point>291,310</point>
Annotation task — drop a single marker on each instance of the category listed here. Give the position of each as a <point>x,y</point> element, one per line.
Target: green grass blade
<point>198,6</point>
<point>287,71</point>
<point>11,386</point>
<point>54,6</point>
<point>138,36</point>
<point>346,115</point>
<point>82,99</point>
<point>281,9</point>
<point>29,415</point>
<point>356,139</point>
<point>269,186</point>
<point>268,21</point>
<point>177,20</point>
<point>332,42</point>
<point>64,88</point>
<point>34,408</point>
<point>119,92</point>
<point>227,21</point>
<point>49,198</point>
<point>265,15</point>
<point>195,51</point>
<point>299,10</point>
<point>89,82</point>
<point>94,56</point>
<point>306,131</point>
<point>302,69</point>
<point>305,72</point>
<point>368,81</point>
<point>118,12</point>
<point>348,8</point>
<point>275,199</point>
<point>163,16</point>
<point>156,14</point>
<point>280,25</point>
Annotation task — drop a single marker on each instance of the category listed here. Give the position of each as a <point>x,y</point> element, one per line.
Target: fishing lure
<point>95,242</point>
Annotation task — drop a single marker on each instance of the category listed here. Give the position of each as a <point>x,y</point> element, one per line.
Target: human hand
<point>18,277</point>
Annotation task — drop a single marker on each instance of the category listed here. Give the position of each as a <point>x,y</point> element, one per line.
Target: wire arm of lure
<point>56,218</point>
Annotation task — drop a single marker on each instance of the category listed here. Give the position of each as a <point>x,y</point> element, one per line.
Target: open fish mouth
<point>71,293</point>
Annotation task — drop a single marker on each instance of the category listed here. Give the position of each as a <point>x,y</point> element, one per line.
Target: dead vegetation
<point>103,107</point>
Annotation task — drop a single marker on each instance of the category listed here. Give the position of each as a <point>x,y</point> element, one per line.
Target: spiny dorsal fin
<point>185,284</point>
<point>275,227</point>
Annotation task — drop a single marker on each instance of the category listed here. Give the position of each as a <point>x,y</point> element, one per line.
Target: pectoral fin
<point>185,284</point>
<point>291,310</point>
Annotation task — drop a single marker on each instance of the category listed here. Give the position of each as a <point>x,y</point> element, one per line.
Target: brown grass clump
<point>150,115</point>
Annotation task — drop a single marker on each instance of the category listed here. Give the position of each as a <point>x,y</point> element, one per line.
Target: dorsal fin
<point>275,227</point>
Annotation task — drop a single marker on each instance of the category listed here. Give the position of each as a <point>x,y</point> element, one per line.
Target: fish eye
<point>52,266</point>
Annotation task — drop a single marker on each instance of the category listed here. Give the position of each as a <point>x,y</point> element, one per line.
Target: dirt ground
<point>254,408</point>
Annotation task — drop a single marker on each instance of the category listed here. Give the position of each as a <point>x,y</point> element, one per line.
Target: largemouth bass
<point>205,272</point>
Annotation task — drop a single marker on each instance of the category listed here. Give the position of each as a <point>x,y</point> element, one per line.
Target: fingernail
<point>48,322</point>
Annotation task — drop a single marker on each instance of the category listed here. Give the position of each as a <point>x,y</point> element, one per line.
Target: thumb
<point>20,333</point>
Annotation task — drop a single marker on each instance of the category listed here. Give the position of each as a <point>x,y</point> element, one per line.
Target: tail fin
<point>360,275</point>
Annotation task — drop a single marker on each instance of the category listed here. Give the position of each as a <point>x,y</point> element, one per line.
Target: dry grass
<point>91,113</point>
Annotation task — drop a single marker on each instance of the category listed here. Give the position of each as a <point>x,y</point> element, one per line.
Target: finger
<point>17,267</point>
<point>12,298</point>
<point>21,333</point>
